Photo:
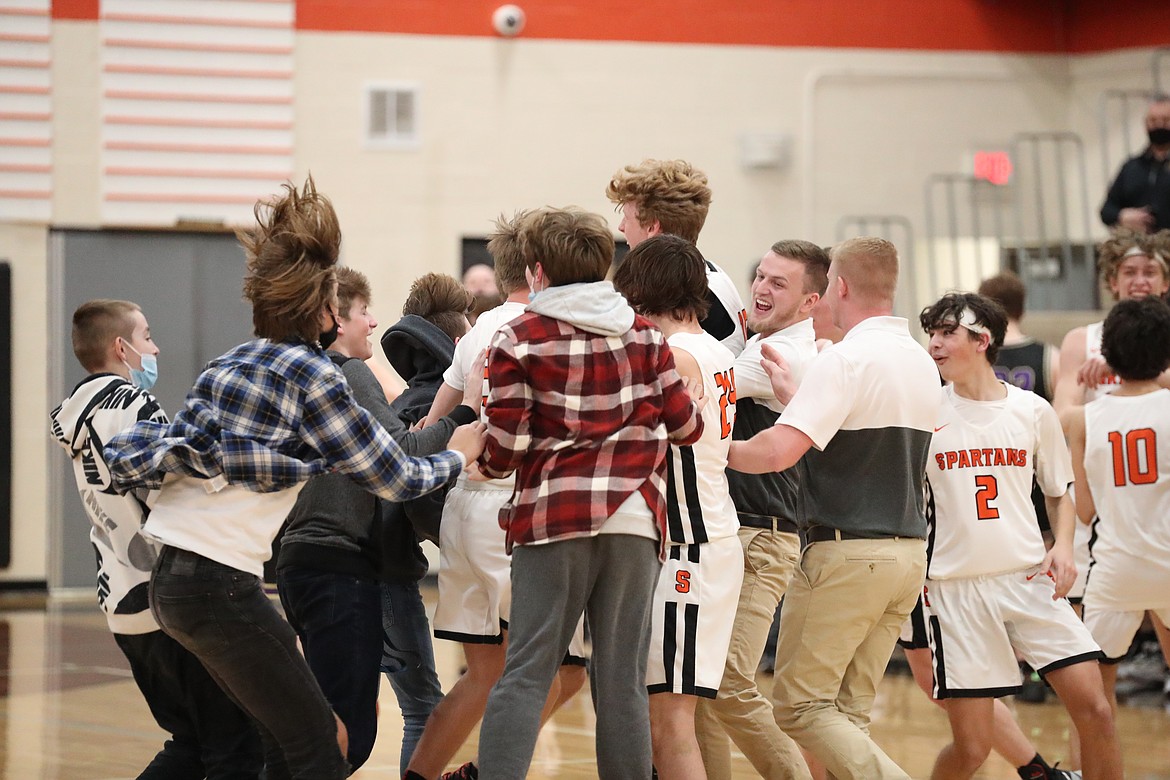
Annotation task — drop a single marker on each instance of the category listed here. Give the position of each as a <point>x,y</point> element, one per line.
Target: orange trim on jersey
<point>186,97</point>
<point>174,197</point>
<point>138,146</point>
<point>25,116</point>
<point>157,70</point>
<point>208,21</point>
<point>224,48</point>
<point>196,173</point>
<point>229,124</point>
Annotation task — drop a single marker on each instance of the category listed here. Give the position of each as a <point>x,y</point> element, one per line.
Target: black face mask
<point>1159,136</point>
<point>329,336</point>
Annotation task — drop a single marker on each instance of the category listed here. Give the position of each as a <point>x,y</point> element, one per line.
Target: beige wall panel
<point>508,124</point>
<point>25,247</point>
<point>77,132</point>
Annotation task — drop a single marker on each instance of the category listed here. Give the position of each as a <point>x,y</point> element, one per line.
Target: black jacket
<point>1142,181</point>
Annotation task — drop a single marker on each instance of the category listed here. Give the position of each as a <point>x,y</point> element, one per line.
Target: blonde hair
<point>870,267</point>
<point>670,192</point>
<point>441,300</point>
<point>504,247</point>
<point>291,257</point>
<point>572,245</point>
<point>96,324</point>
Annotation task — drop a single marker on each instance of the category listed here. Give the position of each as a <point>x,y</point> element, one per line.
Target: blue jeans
<point>408,659</point>
<point>339,620</point>
<point>224,618</point>
<point>209,735</point>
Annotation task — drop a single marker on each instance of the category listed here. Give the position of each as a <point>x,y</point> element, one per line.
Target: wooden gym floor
<point>69,710</point>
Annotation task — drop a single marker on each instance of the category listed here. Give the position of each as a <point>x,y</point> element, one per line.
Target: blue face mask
<point>145,377</point>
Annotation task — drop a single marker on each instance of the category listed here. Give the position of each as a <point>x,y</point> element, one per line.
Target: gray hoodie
<point>595,307</point>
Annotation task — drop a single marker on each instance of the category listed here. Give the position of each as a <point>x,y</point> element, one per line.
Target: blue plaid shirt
<point>266,416</point>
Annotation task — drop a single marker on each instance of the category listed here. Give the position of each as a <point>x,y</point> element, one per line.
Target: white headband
<point>1135,251</point>
<point>968,321</point>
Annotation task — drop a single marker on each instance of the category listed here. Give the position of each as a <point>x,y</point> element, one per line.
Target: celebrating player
<point>991,588</point>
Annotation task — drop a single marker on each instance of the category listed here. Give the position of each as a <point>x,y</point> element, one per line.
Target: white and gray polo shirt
<point>869,404</point>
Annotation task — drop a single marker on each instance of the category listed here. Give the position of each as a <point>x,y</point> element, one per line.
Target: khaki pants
<point>843,612</point>
<point>741,711</point>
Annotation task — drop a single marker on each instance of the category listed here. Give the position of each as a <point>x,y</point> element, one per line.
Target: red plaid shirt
<point>583,419</point>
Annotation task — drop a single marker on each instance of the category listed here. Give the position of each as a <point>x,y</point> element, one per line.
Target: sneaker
<point>1041,771</point>
<point>466,772</point>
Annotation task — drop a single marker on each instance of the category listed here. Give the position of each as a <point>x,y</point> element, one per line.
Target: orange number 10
<point>1128,460</point>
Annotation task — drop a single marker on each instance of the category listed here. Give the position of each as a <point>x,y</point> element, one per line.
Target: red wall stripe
<point>75,9</point>
<point>1056,26</point>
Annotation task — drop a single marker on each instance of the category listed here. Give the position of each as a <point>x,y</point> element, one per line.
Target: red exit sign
<point>993,167</point>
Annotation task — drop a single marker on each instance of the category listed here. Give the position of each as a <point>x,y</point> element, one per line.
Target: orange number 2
<point>986,491</point>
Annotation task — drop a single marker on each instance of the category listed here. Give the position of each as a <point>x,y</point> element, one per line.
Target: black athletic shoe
<point>1057,773</point>
<point>466,772</point>
<point>1036,771</point>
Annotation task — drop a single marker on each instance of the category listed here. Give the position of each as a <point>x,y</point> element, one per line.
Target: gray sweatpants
<point>611,577</point>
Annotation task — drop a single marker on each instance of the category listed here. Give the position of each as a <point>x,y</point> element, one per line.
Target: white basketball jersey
<point>721,286</point>
<point>698,502</point>
<point>1127,463</point>
<point>1093,350</point>
<point>982,458</point>
<point>473,342</point>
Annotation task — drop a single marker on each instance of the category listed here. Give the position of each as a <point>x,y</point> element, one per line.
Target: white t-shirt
<point>226,523</point>
<point>982,459</point>
<point>698,503</point>
<point>477,339</point>
<point>1127,463</point>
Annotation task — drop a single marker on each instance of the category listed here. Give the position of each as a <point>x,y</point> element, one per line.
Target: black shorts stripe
<point>983,693</point>
<point>1095,655</point>
<point>690,647</point>
<point>936,648</point>
<point>918,638</point>
<point>669,646</point>
<point>469,639</point>
<point>674,525</point>
<point>691,490</point>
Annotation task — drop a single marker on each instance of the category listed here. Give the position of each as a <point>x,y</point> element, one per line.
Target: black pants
<point>210,736</point>
<point>222,615</point>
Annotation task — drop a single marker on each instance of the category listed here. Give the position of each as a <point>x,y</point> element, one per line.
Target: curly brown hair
<point>664,275</point>
<point>672,193</point>
<point>292,253</point>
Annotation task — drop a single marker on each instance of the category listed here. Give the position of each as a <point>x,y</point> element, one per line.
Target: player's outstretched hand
<point>473,382</point>
<point>1093,372</point>
<point>1060,566</point>
<point>469,439</point>
<point>694,388</point>
<point>779,373</point>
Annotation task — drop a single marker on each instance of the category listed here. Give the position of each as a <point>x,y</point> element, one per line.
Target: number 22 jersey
<point>983,454</point>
